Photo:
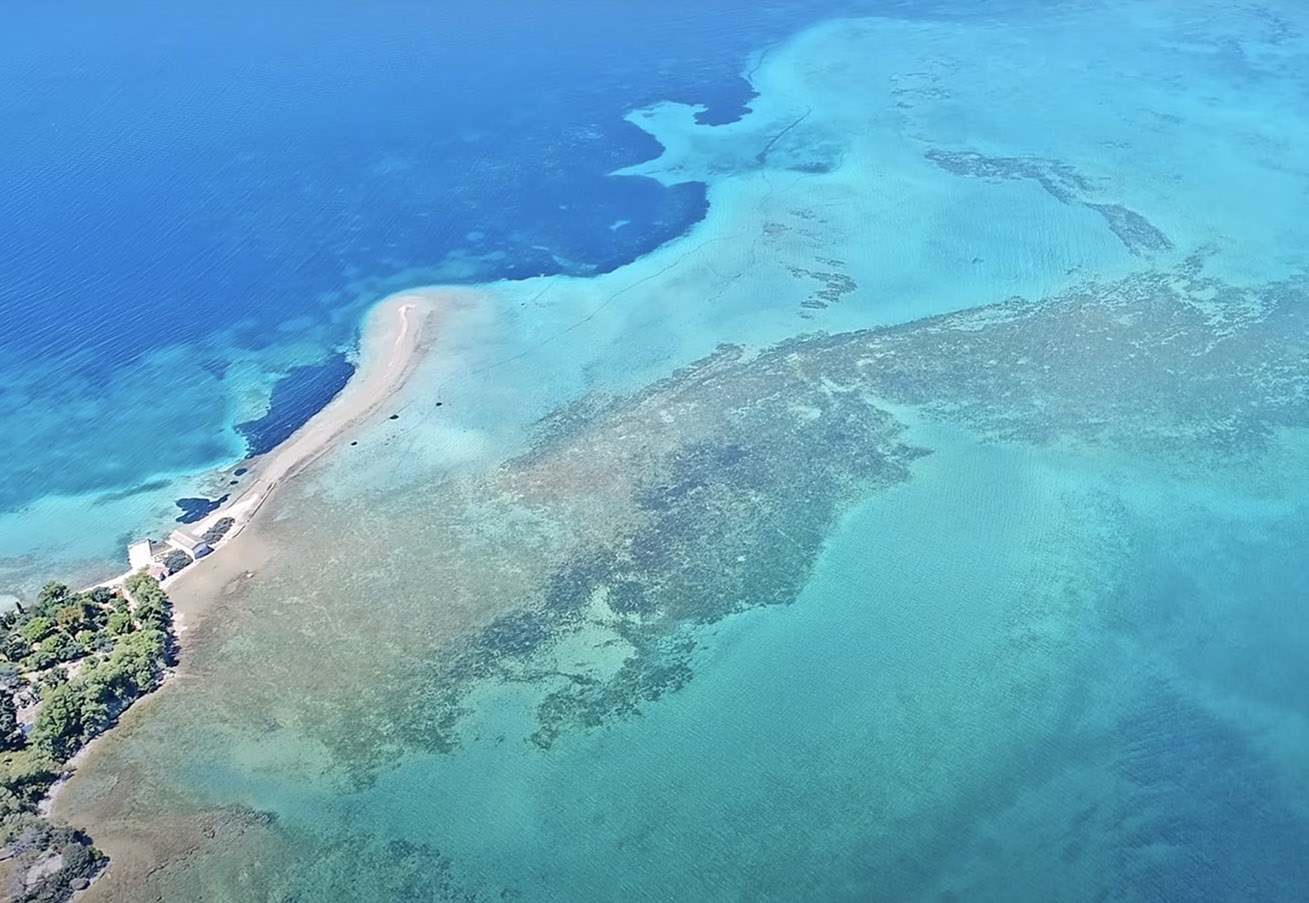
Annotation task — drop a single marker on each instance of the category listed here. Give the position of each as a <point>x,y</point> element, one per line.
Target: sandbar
<point>394,341</point>
<point>395,336</point>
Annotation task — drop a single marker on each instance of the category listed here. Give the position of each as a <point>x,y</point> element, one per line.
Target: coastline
<point>394,333</point>
<point>395,336</point>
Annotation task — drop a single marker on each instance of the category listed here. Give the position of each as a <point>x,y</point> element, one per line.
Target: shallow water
<point>188,227</point>
<point>968,569</point>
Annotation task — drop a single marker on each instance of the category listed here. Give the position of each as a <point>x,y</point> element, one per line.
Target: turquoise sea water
<point>189,224</point>
<point>920,519</point>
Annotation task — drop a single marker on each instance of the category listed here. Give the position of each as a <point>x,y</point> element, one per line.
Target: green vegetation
<point>78,660</point>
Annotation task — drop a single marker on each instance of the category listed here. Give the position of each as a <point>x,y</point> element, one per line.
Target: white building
<point>140,554</point>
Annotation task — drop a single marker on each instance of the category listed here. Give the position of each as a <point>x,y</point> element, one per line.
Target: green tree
<point>59,730</point>
<point>37,629</point>
<point>70,618</point>
<point>39,660</point>
<point>53,596</point>
<point>14,646</point>
<point>10,805</point>
<point>138,659</point>
<point>120,622</point>
<point>63,647</point>
<point>95,715</point>
<point>10,736</point>
<point>153,609</point>
<point>27,775</point>
<point>152,617</point>
<point>53,678</point>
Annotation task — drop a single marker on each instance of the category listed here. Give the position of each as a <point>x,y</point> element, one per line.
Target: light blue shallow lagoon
<point>870,464</point>
<point>200,203</point>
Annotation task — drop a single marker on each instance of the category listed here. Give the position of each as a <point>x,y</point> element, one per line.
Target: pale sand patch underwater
<point>328,752</point>
<point>395,338</point>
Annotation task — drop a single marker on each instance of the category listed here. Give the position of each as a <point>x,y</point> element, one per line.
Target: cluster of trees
<point>121,641</point>
<point>75,711</point>
<point>118,645</point>
<point>87,656</point>
<point>61,626</point>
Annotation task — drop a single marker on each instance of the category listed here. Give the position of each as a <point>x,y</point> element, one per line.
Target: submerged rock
<point>194,509</point>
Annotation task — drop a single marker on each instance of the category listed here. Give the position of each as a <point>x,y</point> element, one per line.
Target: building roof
<point>186,540</point>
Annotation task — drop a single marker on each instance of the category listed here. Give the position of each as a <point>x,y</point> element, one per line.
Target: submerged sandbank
<point>395,339</point>
<point>395,334</point>
<point>723,481</point>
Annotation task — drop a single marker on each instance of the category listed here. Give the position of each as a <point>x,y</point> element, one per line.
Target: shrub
<point>37,629</point>
<point>120,622</point>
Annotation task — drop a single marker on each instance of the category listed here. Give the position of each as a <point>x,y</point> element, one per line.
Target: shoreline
<point>394,334</point>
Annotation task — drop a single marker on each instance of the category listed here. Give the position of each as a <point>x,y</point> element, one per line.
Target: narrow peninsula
<point>71,662</point>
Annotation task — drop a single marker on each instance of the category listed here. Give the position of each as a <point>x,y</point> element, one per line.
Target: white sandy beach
<point>394,338</point>
<point>393,335</point>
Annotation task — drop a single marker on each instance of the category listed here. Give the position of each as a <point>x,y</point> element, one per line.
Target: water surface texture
<point>918,516</point>
<point>187,223</point>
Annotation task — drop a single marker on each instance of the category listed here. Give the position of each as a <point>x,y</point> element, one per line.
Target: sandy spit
<point>397,337</point>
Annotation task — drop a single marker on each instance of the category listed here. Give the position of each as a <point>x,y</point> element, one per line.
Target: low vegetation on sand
<point>70,663</point>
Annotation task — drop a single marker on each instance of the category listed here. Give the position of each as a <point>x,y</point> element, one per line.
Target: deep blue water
<point>229,180</point>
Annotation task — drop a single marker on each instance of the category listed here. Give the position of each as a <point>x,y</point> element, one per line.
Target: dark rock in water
<point>1136,232</point>
<point>1065,184</point>
<point>232,482</point>
<point>630,597</point>
<point>240,472</point>
<point>1060,180</point>
<point>298,396</point>
<point>518,634</point>
<point>195,508</point>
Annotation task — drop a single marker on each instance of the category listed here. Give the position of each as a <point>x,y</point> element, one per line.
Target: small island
<point>70,664</point>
